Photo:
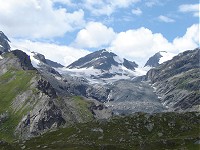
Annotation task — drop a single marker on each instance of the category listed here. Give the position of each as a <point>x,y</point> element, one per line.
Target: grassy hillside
<point>139,131</point>
<point>82,108</point>
<point>12,83</point>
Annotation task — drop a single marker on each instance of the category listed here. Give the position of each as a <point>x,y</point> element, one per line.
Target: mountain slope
<point>128,97</point>
<point>177,81</point>
<point>31,102</point>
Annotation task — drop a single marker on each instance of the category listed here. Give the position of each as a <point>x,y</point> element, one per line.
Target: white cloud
<point>66,2</point>
<point>165,19</point>
<point>106,7</point>
<point>138,45</point>
<point>94,35</point>
<point>61,54</point>
<point>123,3</point>
<point>189,41</point>
<point>137,11</point>
<point>37,19</point>
<point>190,8</point>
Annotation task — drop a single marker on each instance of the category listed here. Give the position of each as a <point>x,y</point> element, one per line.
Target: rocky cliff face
<point>177,81</point>
<point>4,43</point>
<point>154,60</point>
<point>16,60</point>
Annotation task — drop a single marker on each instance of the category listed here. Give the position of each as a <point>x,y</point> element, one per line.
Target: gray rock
<point>127,97</point>
<point>177,81</point>
<point>3,117</point>
<point>4,43</point>
<point>150,126</point>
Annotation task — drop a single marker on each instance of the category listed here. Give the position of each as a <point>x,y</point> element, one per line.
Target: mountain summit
<point>103,60</point>
<point>103,64</point>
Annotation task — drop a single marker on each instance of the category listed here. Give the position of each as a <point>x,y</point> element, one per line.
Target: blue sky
<point>65,30</point>
<point>123,19</point>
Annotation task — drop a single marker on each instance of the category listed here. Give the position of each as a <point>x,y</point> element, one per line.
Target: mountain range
<point>96,95</point>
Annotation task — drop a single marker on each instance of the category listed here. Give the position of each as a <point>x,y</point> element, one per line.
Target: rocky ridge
<point>177,81</point>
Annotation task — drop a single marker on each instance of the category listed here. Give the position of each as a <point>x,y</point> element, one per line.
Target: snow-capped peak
<point>102,64</point>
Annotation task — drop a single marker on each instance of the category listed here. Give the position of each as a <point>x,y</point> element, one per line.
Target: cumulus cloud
<point>165,19</point>
<point>189,41</point>
<point>137,11</point>
<point>94,35</point>
<point>106,7</point>
<point>190,8</point>
<point>61,54</point>
<point>140,44</point>
<point>136,45</point>
<point>37,19</point>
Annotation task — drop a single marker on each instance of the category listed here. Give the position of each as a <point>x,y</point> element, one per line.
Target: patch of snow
<point>79,72</point>
<point>116,77</point>
<point>34,61</point>
<point>88,73</point>
<point>120,69</point>
<point>119,72</point>
<point>118,59</point>
<point>140,71</point>
<point>1,57</point>
<point>165,56</point>
<point>104,51</point>
<point>58,78</point>
<point>115,69</point>
<point>1,46</point>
